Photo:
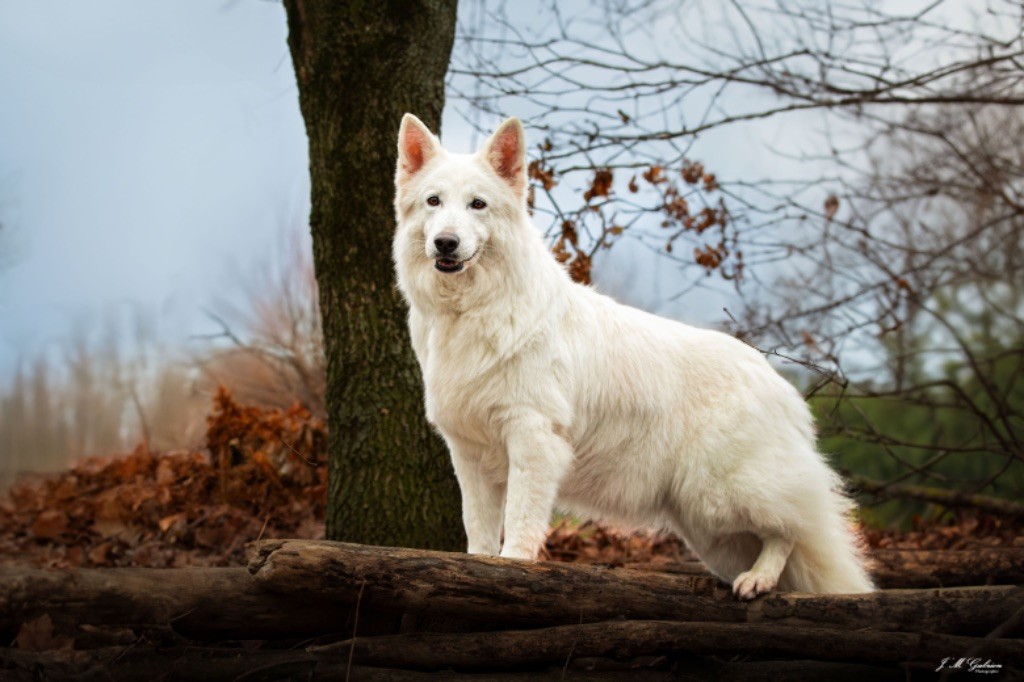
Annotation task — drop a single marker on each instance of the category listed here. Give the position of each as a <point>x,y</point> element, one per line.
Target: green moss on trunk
<point>360,65</point>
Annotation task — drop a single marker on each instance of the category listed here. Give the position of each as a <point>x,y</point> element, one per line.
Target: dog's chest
<point>467,382</point>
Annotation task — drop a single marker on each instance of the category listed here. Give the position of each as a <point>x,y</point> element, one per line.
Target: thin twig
<point>573,647</point>
<point>265,522</point>
<point>355,623</point>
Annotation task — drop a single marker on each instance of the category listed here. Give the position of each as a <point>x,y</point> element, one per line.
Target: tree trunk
<point>360,65</point>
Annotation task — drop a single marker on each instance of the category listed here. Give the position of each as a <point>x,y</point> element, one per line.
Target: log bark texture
<point>294,590</point>
<point>948,568</point>
<point>503,590</point>
<point>900,568</point>
<point>630,639</point>
<point>196,603</point>
<point>144,663</point>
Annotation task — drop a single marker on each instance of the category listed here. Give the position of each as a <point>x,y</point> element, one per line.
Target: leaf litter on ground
<point>263,474</point>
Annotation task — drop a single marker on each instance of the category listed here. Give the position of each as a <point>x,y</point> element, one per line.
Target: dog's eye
<point>433,200</point>
<point>477,204</point>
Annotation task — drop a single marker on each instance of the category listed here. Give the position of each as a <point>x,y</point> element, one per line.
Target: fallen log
<point>630,639</point>
<point>196,603</point>
<point>542,593</point>
<point>303,589</point>
<point>144,663</point>
<point>194,664</point>
<point>488,588</point>
<point>904,568</point>
<point>948,568</point>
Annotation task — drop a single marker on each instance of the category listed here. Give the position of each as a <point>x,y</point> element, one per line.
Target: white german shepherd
<point>549,393</point>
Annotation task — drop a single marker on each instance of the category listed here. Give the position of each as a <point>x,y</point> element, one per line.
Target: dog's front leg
<point>537,461</point>
<point>482,501</point>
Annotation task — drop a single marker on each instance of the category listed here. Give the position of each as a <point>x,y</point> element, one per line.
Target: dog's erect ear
<point>416,146</point>
<point>506,152</point>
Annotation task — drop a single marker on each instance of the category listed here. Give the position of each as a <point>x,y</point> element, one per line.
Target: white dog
<point>550,394</point>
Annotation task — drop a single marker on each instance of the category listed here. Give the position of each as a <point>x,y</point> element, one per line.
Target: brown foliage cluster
<point>591,543</point>
<point>568,252</point>
<point>961,532</point>
<point>262,474</point>
<point>540,172</point>
<point>716,249</point>
<point>578,241</point>
<point>717,255</point>
<point>600,186</point>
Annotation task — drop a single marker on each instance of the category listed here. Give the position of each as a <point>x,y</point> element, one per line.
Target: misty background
<point>147,153</point>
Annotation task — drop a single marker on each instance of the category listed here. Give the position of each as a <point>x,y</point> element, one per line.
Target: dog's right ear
<point>416,147</point>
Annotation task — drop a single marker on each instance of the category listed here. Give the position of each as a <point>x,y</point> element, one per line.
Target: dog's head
<point>453,208</point>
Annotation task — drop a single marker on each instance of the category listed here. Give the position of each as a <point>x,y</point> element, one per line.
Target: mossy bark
<point>360,65</point>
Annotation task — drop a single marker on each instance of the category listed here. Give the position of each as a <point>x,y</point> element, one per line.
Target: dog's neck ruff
<point>506,304</point>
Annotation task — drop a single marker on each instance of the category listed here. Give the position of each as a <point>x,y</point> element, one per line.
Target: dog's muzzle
<point>447,246</point>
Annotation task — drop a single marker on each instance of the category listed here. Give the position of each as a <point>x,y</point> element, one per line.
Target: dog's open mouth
<point>448,264</point>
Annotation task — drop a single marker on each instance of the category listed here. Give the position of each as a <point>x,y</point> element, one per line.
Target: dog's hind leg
<point>752,561</point>
<point>538,459</point>
<point>763,576</point>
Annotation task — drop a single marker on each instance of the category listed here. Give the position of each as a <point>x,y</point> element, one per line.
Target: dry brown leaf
<point>50,524</point>
<point>600,186</point>
<point>38,635</point>
<point>831,206</point>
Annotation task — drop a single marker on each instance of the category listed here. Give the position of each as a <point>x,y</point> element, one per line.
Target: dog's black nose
<point>446,243</point>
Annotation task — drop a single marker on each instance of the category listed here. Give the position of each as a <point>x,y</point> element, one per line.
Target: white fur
<point>549,393</point>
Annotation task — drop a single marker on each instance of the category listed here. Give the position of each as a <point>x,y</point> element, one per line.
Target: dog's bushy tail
<point>828,556</point>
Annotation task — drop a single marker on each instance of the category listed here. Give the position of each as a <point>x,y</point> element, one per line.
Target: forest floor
<point>262,475</point>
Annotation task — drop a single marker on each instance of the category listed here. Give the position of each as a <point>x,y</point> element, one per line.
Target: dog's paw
<point>518,553</point>
<point>483,550</point>
<point>750,584</point>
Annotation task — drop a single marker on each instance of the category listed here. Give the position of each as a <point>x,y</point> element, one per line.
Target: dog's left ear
<point>506,152</point>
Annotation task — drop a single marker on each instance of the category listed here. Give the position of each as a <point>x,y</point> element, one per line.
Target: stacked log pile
<point>322,610</point>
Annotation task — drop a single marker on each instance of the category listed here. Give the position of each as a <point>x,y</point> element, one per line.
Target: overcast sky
<point>147,150</point>
<point>153,153</point>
